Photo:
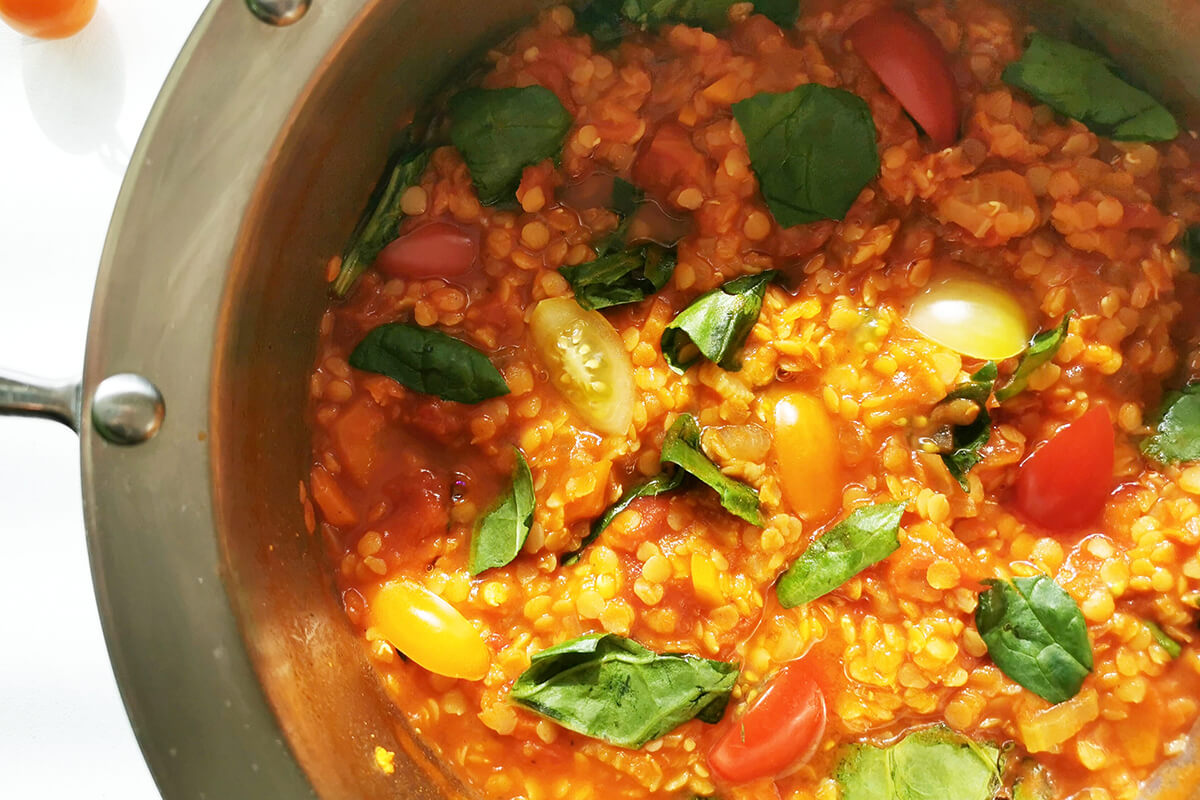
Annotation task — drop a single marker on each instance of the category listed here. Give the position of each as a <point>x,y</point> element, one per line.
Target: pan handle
<point>125,408</point>
<point>25,396</point>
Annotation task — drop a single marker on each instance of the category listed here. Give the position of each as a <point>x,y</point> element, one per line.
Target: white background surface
<point>70,115</point>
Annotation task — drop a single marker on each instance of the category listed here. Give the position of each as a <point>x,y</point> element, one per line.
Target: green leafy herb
<point>1190,242</point>
<point>716,324</point>
<point>1086,86</point>
<point>1174,649</point>
<point>429,361</point>
<point>783,13</point>
<point>1041,349</point>
<point>1036,635</point>
<point>711,15</point>
<point>501,131</point>
<point>967,441</point>
<point>813,150</point>
<point>501,532</point>
<point>659,484</point>
<point>1177,433</point>
<point>931,764</point>
<point>612,688</point>
<point>682,448</point>
<point>625,201</point>
<point>619,278</point>
<point>867,536</point>
<point>602,20</point>
<point>381,220</point>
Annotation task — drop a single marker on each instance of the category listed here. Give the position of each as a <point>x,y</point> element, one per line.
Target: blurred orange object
<point>47,19</point>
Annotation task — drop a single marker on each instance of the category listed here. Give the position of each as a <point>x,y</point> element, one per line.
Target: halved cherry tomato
<point>47,19</point>
<point>587,362</point>
<point>971,317</point>
<point>428,630</point>
<point>434,250</point>
<point>779,732</point>
<point>912,64</point>
<point>1064,483</point>
<point>808,456</point>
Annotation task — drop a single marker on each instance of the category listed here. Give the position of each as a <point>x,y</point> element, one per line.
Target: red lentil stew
<point>745,401</point>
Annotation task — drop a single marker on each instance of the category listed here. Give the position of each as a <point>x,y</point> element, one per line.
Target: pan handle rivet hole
<point>127,409</point>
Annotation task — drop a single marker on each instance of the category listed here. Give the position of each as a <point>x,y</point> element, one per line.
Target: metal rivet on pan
<point>278,12</point>
<point>127,409</point>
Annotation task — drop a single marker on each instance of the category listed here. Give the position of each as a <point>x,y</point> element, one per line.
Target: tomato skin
<point>780,731</point>
<point>912,65</point>
<point>1065,483</point>
<point>47,19</point>
<point>434,250</point>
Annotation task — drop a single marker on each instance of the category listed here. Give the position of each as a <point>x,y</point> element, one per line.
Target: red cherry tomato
<point>47,19</point>
<point>434,250</point>
<point>780,731</point>
<point>912,64</point>
<point>1065,482</point>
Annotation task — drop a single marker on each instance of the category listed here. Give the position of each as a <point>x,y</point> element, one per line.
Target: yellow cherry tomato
<point>807,456</point>
<point>973,318</point>
<point>427,629</point>
<point>587,362</point>
<point>706,580</point>
<point>47,19</point>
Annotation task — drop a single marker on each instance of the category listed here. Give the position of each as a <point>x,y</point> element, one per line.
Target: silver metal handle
<point>25,396</point>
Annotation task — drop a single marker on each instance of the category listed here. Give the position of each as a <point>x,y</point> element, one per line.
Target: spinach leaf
<point>612,688</point>
<point>1174,649</point>
<point>712,15</point>
<point>381,219</point>
<point>429,361</point>
<point>931,764</point>
<point>1036,635</point>
<point>1041,349</point>
<point>1177,432</point>
<point>783,13</point>
<point>867,536</point>
<point>967,440</point>
<point>1190,242</point>
<point>659,484</point>
<point>813,150</point>
<point>1085,86</point>
<point>501,131</point>
<point>717,323</point>
<point>501,532</point>
<point>602,20</point>
<point>625,200</point>
<point>682,448</point>
<point>620,278</point>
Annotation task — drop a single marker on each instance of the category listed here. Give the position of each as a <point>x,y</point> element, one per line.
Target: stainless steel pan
<point>237,666</point>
